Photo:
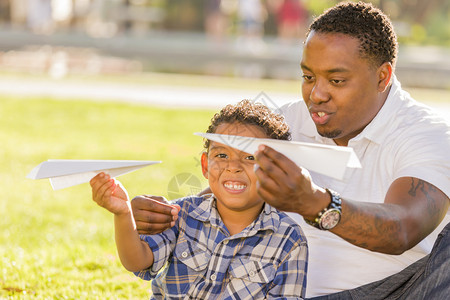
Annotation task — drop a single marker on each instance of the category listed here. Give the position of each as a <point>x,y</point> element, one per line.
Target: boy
<point>226,245</point>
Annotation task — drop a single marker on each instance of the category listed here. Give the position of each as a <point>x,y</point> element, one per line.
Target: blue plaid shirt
<point>267,260</point>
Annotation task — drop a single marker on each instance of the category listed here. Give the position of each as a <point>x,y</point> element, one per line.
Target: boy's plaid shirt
<point>268,259</point>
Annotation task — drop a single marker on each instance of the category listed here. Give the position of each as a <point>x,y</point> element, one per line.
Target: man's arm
<point>412,208</point>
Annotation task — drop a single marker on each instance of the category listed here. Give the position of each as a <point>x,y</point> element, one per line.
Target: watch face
<point>330,219</point>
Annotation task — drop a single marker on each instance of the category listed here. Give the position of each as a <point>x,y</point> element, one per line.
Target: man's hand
<point>153,214</point>
<point>286,186</point>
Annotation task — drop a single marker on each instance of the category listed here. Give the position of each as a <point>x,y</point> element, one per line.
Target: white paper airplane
<point>328,160</point>
<point>67,172</point>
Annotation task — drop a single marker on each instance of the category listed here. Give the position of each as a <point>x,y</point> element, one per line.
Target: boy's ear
<point>384,76</point>
<point>204,162</point>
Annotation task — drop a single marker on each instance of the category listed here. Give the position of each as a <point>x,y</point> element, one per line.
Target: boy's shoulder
<point>287,225</point>
<point>190,203</point>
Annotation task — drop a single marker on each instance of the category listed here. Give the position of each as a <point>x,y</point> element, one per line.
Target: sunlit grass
<point>59,244</point>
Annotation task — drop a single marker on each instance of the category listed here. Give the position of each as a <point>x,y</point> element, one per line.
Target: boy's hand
<point>110,194</point>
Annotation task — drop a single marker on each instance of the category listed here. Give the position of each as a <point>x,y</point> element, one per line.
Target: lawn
<point>59,244</point>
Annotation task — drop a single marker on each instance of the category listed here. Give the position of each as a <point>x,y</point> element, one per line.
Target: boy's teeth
<point>235,186</point>
<point>321,114</point>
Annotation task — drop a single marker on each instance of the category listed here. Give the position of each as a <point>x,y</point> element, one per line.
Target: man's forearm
<point>376,227</point>
<point>412,209</point>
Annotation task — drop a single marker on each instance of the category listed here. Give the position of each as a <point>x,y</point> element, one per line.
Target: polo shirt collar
<point>376,131</point>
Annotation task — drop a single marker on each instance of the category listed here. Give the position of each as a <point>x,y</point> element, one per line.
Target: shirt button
<point>225,242</point>
<point>184,254</point>
<point>213,277</point>
<point>251,273</point>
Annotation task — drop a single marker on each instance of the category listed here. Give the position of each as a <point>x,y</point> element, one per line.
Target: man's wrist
<point>321,201</point>
<point>330,216</point>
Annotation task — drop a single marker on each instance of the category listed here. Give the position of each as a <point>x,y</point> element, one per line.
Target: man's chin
<point>330,134</point>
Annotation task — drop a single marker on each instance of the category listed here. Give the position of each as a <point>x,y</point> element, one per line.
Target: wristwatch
<point>330,216</point>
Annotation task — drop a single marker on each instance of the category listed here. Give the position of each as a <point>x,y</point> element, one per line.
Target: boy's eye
<point>221,155</point>
<point>250,157</point>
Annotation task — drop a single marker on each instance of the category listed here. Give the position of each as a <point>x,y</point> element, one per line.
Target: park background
<point>134,79</point>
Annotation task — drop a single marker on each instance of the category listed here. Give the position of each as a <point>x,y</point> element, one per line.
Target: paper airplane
<point>67,172</point>
<point>328,160</point>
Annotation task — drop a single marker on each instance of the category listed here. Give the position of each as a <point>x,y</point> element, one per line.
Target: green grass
<point>59,244</point>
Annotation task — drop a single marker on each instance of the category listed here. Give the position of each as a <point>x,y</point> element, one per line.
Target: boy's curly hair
<point>363,21</point>
<point>249,113</point>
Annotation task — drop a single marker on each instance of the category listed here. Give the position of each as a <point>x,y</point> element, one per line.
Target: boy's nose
<point>234,166</point>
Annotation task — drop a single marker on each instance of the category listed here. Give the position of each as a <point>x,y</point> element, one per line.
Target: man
<point>386,216</point>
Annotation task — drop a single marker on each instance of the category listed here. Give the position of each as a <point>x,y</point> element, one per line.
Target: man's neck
<point>381,100</point>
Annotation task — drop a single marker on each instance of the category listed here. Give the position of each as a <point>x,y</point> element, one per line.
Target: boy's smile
<point>231,175</point>
<point>234,186</point>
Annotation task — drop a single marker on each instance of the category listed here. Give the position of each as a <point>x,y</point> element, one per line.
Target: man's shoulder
<point>412,113</point>
<point>419,121</point>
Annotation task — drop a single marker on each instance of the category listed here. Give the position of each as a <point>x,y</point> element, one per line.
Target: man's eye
<point>337,81</point>
<point>307,77</point>
<point>250,157</point>
<point>221,155</point>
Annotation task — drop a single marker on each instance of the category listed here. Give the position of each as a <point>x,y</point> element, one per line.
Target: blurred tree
<point>5,14</point>
<point>419,11</point>
<point>187,15</point>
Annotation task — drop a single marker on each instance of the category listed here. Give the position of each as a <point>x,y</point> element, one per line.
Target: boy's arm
<point>290,277</point>
<point>134,254</point>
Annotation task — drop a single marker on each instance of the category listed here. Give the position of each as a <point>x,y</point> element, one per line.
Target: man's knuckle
<point>269,168</point>
<point>136,198</point>
<point>278,156</point>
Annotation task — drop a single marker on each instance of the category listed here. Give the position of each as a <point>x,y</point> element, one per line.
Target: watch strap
<point>335,204</point>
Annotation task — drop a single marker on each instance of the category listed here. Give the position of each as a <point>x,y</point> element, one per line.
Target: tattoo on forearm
<point>380,231</point>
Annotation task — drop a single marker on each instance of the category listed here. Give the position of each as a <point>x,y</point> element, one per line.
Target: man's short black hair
<point>363,21</point>
<point>247,112</point>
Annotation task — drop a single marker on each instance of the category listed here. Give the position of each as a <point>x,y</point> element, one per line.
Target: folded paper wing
<point>328,160</point>
<point>66,172</point>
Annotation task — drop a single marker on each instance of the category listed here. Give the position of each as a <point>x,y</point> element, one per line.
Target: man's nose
<point>319,93</point>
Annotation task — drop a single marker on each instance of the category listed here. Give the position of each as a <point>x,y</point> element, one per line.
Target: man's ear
<point>384,76</point>
<point>204,162</point>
